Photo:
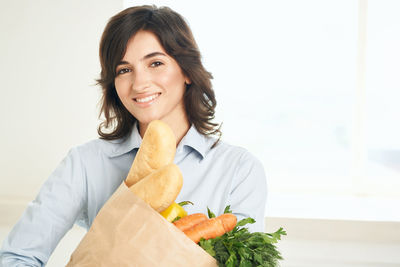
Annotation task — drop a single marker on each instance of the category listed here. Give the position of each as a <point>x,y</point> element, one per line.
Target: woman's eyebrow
<point>123,62</point>
<point>154,54</point>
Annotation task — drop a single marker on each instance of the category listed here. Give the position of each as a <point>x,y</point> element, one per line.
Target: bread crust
<point>157,150</point>
<point>160,188</point>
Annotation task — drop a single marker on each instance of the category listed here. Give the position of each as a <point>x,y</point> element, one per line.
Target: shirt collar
<point>192,139</point>
<point>127,144</point>
<point>196,141</point>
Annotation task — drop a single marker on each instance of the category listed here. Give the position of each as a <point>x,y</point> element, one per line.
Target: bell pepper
<point>175,211</point>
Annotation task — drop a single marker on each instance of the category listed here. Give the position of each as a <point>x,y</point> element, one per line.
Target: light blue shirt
<point>90,173</point>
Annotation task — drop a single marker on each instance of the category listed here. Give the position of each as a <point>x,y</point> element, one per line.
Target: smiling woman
<point>154,48</point>
<point>151,84</point>
<point>151,69</point>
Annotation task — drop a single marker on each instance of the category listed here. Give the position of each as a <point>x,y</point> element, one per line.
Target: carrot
<point>229,221</point>
<point>212,228</point>
<point>190,221</point>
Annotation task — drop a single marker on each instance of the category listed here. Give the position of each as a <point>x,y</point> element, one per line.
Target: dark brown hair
<point>176,38</point>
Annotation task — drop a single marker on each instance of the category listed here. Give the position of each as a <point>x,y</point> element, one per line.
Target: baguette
<point>157,150</point>
<point>160,188</point>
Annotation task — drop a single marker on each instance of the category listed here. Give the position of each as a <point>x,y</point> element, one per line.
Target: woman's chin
<point>147,120</point>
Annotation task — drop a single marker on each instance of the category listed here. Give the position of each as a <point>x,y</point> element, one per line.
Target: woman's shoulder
<point>99,147</point>
<point>240,160</point>
<point>233,152</point>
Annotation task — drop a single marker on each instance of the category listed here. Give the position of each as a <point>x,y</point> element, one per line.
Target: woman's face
<point>149,82</point>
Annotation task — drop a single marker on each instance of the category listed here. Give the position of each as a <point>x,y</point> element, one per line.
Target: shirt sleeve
<point>47,219</point>
<point>249,191</point>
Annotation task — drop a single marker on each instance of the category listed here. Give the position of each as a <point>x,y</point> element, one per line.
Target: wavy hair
<point>177,39</point>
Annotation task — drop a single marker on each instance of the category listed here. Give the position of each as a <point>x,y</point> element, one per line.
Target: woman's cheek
<point>173,80</point>
<point>163,79</point>
<point>122,87</point>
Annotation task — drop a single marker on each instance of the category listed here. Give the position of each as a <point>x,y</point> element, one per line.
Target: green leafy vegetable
<point>210,213</point>
<point>241,248</point>
<point>227,209</point>
<point>245,221</point>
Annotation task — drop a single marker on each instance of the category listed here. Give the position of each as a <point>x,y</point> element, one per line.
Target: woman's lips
<point>146,100</point>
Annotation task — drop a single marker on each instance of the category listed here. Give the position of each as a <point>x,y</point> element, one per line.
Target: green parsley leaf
<point>207,246</point>
<point>245,221</point>
<point>274,237</point>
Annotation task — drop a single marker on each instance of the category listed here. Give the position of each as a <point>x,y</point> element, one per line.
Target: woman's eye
<point>156,64</point>
<point>122,71</point>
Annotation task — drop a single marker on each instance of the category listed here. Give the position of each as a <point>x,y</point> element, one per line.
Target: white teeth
<point>146,99</point>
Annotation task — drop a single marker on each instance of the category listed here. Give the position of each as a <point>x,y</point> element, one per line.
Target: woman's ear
<point>187,81</point>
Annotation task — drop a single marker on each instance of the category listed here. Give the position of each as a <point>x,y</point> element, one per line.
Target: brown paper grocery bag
<point>128,232</point>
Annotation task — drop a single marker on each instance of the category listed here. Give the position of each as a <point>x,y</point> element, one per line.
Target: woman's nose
<point>140,81</point>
